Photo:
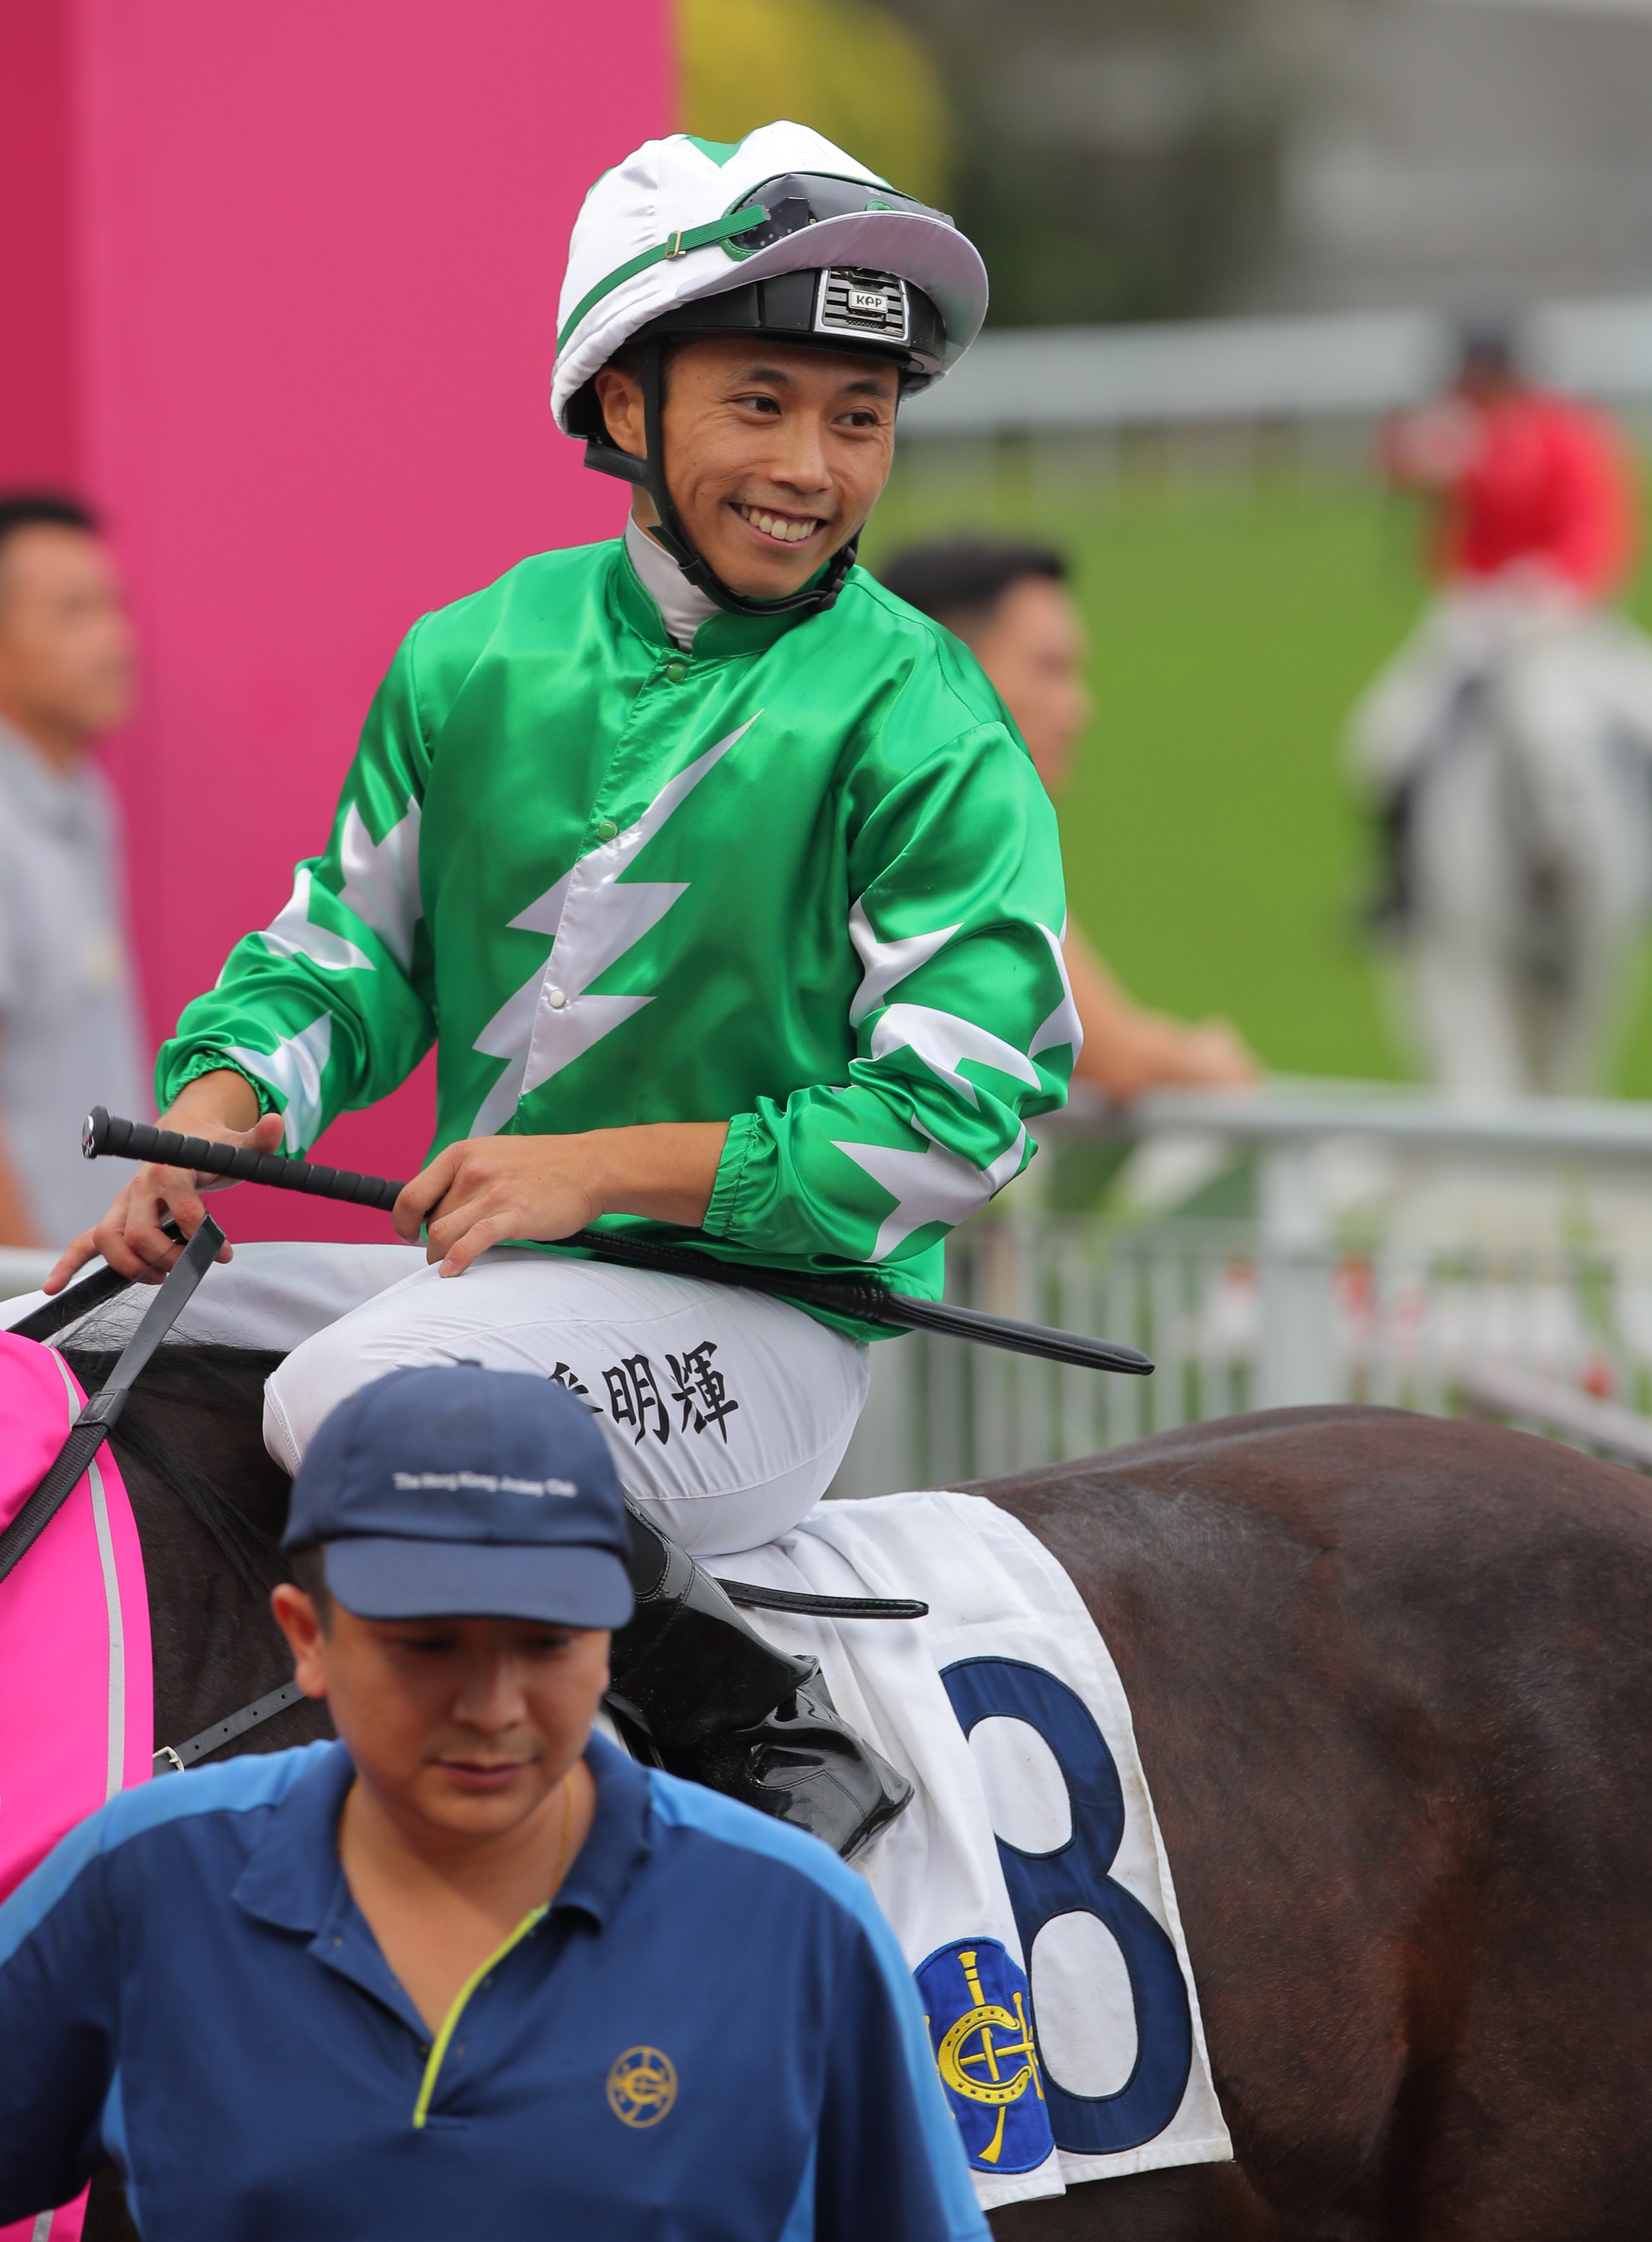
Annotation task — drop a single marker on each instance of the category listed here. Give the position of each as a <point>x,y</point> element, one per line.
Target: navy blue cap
<point>461,1492</point>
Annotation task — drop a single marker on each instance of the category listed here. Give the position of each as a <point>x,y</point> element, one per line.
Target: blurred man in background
<point>1523,485</point>
<point>1010,605</point>
<point>69,1035</point>
<point>1506,746</point>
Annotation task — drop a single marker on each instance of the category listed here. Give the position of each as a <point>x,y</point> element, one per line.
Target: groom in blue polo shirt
<point>471,1969</point>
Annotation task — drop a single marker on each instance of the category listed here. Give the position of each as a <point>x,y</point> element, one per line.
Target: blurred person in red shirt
<point>1524,481</point>
<point>1506,747</point>
<point>1010,605</point>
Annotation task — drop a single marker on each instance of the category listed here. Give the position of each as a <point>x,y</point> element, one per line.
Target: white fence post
<point>1298,1355</point>
<point>1416,1319</point>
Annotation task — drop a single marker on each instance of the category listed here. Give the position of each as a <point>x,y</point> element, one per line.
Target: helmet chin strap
<point>649,474</point>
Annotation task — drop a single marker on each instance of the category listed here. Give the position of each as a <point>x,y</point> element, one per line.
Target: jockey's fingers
<point>477,1239</point>
<point>130,1259</point>
<point>461,1210</point>
<point>176,1192</point>
<point>170,1191</point>
<point>264,1136</point>
<point>74,1256</point>
<point>427,1190</point>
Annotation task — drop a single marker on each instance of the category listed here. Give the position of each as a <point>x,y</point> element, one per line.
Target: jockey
<point>1534,525</point>
<point>729,897</point>
<point>1520,479</point>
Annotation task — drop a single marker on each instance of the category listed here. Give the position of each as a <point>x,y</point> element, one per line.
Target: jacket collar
<point>294,1878</point>
<point>720,638</point>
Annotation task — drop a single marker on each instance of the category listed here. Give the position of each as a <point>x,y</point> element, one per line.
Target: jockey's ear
<point>619,395</point>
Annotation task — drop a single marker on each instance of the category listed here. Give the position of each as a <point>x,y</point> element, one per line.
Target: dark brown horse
<point>1392,1680</point>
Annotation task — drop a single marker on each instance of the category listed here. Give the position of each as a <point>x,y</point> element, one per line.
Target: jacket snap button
<point>606,830</point>
<point>676,671</point>
<point>555,998</point>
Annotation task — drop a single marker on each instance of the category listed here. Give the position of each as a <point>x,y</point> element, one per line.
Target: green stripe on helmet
<point>676,245</point>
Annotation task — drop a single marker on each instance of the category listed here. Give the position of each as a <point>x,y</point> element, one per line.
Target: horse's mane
<point>226,1383</point>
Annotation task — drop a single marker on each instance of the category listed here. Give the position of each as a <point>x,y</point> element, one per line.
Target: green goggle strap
<point>676,245</point>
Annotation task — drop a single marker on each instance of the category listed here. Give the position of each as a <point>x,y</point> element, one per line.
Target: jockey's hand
<point>487,1190</point>
<point>129,1236</point>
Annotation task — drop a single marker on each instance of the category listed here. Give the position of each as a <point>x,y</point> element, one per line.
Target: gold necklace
<point>568,1831</point>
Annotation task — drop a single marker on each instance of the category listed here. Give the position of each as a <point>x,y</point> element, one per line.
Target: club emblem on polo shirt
<point>642,2085</point>
<point>978,2012</point>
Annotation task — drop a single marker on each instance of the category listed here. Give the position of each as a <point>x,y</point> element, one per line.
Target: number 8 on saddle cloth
<point>983,2023</point>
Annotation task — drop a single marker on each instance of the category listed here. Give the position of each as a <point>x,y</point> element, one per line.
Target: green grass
<point>1213,850</point>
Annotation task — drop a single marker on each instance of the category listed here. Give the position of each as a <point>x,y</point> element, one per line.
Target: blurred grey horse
<point>1509,750</point>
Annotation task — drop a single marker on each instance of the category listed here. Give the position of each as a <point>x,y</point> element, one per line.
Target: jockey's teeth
<point>776,525</point>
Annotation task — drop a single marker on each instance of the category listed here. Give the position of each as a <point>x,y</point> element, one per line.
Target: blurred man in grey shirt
<point>71,1036</point>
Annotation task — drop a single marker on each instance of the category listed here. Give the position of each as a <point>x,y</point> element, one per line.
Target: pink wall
<point>318,249</point>
<point>37,410</point>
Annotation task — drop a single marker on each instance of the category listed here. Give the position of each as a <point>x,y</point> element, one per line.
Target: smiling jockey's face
<point>461,1728</point>
<point>774,455</point>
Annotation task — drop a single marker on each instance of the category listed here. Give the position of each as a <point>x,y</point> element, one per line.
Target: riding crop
<point>858,1297</point>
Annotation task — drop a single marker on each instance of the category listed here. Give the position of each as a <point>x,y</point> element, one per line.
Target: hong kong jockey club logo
<point>642,2085</point>
<point>981,2029</point>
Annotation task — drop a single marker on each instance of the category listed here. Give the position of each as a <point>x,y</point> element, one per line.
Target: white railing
<point>1403,1249</point>
<point>1328,366</point>
<point>23,1269</point>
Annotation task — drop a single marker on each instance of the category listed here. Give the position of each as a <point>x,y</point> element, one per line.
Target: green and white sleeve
<point>964,1023</point>
<point>329,1008</point>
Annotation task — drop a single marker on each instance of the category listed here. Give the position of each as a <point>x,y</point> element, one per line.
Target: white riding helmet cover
<point>634,254</point>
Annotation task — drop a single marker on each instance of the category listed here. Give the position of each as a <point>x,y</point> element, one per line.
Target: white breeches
<point>727,1413</point>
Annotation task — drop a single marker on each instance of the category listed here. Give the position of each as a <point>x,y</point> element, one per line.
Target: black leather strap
<point>821,1606</point>
<point>91,1427</point>
<point>172,1759</point>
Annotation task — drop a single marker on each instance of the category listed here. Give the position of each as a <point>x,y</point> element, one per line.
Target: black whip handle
<point>140,1140</point>
<point>858,1297</point>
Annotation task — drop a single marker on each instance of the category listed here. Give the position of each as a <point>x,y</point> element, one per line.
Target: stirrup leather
<point>695,1684</point>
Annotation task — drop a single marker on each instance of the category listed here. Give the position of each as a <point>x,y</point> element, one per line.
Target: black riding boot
<point>696,1683</point>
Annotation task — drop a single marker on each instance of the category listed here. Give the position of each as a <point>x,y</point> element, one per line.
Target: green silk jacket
<point>804,879</point>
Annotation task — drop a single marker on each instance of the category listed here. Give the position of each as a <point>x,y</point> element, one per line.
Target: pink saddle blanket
<point>76,1690</point>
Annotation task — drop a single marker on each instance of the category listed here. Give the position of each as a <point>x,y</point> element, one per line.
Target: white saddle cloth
<point>1031,1841</point>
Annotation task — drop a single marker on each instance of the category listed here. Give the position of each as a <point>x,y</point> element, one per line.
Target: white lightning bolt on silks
<point>886,962</point>
<point>934,1186</point>
<point>381,887</point>
<point>1063,1025</point>
<point>943,1041</point>
<point>381,879</point>
<point>295,934</point>
<point>594,919</point>
<point>295,1069</point>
